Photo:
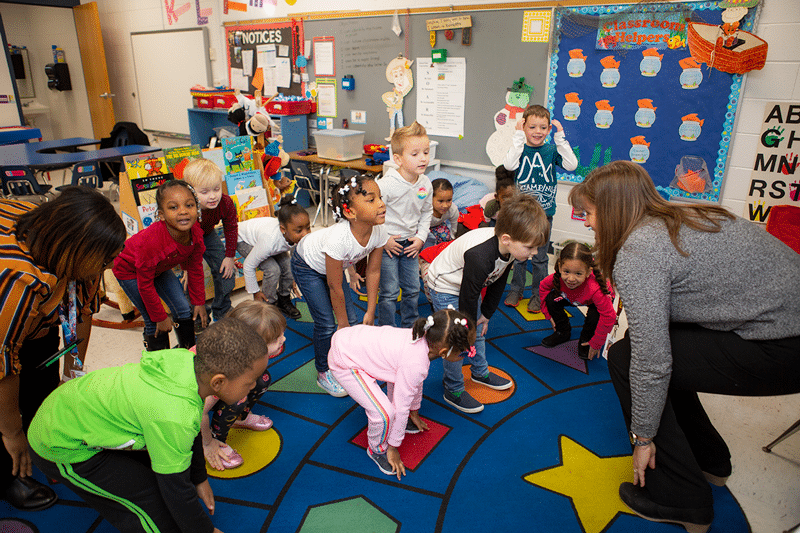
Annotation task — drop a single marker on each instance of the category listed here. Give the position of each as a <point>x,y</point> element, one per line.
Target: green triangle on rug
<point>304,379</point>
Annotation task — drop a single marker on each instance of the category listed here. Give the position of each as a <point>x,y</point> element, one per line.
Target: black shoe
<point>285,305</point>
<point>493,381</point>
<point>184,330</point>
<point>463,401</point>
<point>27,494</point>
<point>583,351</point>
<point>695,520</point>
<point>153,343</point>
<point>559,337</point>
<point>411,428</point>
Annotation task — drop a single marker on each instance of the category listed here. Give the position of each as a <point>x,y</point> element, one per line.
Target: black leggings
<point>223,416</point>
<point>556,303</point>
<point>703,360</point>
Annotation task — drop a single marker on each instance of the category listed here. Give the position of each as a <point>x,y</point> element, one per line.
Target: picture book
<point>144,188</point>
<point>216,156</point>
<point>145,165</point>
<point>238,181</point>
<point>180,156</point>
<point>238,153</point>
<point>251,203</point>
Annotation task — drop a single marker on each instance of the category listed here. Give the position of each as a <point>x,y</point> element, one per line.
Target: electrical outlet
<point>212,54</point>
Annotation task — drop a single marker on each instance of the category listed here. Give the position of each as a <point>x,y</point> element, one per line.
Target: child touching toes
<point>270,325</point>
<point>265,242</point>
<point>321,257</point>
<point>577,281</point>
<point>144,268</point>
<point>362,355</point>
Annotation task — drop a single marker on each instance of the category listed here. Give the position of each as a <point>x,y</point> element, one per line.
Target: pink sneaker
<point>254,422</point>
<point>234,461</point>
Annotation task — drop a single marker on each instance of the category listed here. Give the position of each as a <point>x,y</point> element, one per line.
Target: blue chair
<point>18,180</point>
<point>307,181</point>
<point>87,174</point>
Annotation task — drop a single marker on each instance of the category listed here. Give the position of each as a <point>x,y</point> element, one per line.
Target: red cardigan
<point>225,211</point>
<point>153,251</point>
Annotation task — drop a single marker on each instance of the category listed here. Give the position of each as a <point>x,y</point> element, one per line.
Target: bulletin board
<point>242,42</point>
<point>496,58</point>
<point>638,104</point>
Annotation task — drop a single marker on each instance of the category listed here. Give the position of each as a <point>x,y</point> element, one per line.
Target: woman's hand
<point>420,423</point>
<point>397,464</point>
<point>165,326</point>
<point>228,268</point>
<point>205,493</point>
<point>200,311</point>
<point>17,446</point>
<point>643,456</point>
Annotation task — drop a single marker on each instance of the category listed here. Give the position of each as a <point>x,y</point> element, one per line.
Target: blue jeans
<point>540,262</point>
<point>169,288</point>
<point>214,254</point>
<point>314,287</point>
<point>398,272</point>
<point>453,378</point>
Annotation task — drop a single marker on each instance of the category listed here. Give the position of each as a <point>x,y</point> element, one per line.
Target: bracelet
<point>637,442</point>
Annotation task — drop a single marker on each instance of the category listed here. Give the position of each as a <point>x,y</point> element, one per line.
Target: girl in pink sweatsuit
<point>360,356</point>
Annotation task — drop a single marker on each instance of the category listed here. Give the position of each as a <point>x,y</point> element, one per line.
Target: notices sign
<point>774,180</point>
<point>441,92</point>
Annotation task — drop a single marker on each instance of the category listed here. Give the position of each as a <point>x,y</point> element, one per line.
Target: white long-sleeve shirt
<point>264,235</point>
<point>408,205</point>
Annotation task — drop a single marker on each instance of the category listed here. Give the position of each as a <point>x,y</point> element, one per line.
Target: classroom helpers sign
<point>774,180</point>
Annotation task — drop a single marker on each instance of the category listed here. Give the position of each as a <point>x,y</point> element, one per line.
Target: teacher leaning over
<point>713,305</point>
<point>51,259</point>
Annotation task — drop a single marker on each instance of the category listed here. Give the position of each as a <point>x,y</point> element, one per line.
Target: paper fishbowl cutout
<point>577,63</point>
<point>572,107</point>
<point>651,62</point>
<point>646,114</point>
<point>692,76</point>
<point>603,117</point>
<point>690,128</point>
<point>609,77</point>
<point>640,149</point>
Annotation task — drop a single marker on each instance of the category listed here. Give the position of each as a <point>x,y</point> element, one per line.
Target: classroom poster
<point>773,181</point>
<point>185,14</point>
<point>628,89</point>
<point>441,95</point>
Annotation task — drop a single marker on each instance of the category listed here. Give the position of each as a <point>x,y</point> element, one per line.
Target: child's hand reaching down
<point>397,464</point>
<point>420,423</point>
<point>216,452</point>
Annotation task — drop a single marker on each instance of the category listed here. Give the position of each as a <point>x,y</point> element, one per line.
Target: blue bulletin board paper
<point>641,105</point>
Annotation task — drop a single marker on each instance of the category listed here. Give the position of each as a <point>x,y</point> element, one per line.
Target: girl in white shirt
<point>321,257</point>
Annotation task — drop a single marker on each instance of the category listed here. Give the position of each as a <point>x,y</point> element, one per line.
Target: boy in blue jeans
<point>206,178</point>
<point>405,192</point>
<point>521,228</point>
<point>533,160</point>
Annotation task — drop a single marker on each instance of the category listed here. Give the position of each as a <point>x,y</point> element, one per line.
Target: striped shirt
<point>29,294</point>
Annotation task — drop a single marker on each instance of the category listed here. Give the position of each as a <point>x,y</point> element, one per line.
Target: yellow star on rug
<point>591,482</point>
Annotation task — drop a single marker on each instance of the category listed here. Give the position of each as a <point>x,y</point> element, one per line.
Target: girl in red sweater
<point>577,281</point>
<point>144,268</point>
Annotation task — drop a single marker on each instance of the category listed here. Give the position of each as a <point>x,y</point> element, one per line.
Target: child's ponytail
<point>446,328</point>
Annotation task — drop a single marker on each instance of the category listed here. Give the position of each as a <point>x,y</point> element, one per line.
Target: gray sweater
<point>741,279</point>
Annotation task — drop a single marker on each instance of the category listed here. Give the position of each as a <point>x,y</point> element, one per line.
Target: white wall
<point>779,80</point>
<point>38,28</point>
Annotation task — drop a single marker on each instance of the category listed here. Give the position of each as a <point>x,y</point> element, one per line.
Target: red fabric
<point>225,211</point>
<point>472,218</point>
<point>784,223</point>
<point>430,253</point>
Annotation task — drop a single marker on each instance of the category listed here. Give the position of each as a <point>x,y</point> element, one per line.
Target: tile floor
<point>767,485</point>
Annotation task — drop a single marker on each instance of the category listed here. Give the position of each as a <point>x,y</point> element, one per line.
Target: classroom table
<point>324,174</point>
<point>44,156</point>
<point>19,134</point>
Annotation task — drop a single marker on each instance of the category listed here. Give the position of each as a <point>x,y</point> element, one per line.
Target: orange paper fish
<point>577,53</point>
<point>652,52</point>
<point>693,118</point>
<point>603,105</point>
<point>639,139</point>
<point>573,97</point>
<point>646,102</point>
<point>608,62</point>
<point>688,62</point>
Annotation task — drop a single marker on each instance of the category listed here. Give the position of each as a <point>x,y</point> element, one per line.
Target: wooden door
<point>93,57</point>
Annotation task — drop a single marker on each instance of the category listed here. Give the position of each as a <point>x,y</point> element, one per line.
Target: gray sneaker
<point>463,401</point>
<point>493,381</point>
<point>329,384</point>
<point>382,461</point>
<point>411,428</point>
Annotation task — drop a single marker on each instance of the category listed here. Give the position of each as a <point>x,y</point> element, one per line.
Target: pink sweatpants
<point>364,389</point>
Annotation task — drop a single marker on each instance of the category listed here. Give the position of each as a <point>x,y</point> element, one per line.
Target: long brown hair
<point>623,194</point>
<point>76,231</point>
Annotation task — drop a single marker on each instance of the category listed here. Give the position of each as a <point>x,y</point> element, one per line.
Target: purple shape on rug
<point>14,525</point>
<point>566,354</point>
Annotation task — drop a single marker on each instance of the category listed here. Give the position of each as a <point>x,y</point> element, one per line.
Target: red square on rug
<point>416,447</point>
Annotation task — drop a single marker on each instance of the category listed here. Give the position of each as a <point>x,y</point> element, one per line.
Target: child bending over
<point>363,355</point>
<point>577,281</point>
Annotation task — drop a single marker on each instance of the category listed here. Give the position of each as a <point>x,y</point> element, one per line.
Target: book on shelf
<point>238,153</point>
<point>145,165</point>
<point>178,157</point>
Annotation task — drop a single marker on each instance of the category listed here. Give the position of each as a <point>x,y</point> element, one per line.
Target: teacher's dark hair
<point>623,194</point>
<point>77,231</point>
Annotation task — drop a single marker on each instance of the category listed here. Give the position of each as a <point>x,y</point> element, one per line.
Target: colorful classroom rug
<point>547,455</point>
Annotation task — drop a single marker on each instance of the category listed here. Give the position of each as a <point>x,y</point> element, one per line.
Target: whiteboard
<point>167,65</point>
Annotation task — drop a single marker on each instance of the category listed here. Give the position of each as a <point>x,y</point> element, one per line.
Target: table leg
<point>326,182</point>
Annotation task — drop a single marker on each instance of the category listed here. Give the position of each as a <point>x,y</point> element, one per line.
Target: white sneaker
<point>328,383</point>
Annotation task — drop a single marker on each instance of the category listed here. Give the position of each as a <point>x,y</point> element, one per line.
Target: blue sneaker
<point>382,461</point>
<point>329,384</point>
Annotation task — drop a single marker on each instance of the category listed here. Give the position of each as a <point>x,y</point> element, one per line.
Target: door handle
<point>107,95</point>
